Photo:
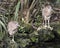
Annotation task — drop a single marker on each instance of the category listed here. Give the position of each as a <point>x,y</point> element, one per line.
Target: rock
<point>45,34</point>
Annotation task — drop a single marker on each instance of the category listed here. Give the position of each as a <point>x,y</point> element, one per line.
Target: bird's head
<point>12,26</point>
<point>16,23</point>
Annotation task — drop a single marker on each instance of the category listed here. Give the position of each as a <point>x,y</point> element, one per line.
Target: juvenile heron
<point>46,14</point>
<point>12,28</point>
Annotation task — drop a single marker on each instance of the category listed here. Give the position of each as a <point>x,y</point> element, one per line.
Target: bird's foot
<point>45,26</point>
<point>12,41</point>
<point>38,28</point>
<point>50,27</point>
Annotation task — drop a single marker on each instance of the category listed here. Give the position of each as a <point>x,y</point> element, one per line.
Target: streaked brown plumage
<point>12,28</point>
<point>46,14</point>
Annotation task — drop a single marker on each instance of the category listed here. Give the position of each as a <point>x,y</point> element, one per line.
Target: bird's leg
<point>13,39</point>
<point>48,23</point>
<point>45,23</point>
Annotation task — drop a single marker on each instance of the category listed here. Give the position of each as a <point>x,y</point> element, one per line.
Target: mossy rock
<point>56,27</point>
<point>45,34</point>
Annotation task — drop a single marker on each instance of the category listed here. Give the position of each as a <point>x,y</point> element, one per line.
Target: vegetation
<point>28,14</point>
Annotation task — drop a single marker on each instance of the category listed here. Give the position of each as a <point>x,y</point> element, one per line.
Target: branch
<point>56,8</point>
<point>33,4</point>
<point>21,4</point>
<point>55,12</point>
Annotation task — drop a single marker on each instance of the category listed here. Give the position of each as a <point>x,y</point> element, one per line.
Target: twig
<point>33,4</point>
<point>56,8</point>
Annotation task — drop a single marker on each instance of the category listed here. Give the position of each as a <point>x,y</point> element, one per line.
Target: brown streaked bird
<point>46,14</point>
<point>12,28</point>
